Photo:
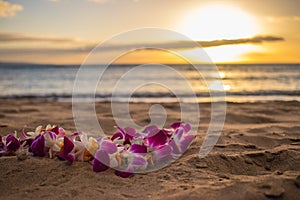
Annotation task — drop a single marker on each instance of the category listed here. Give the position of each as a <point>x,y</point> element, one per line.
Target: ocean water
<point>242,83</point>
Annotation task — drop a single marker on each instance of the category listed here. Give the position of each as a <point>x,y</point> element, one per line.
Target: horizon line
<point>202,63</point>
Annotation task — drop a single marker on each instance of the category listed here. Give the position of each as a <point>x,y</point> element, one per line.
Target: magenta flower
<point>108,146</point>
<point>12,143</point>
<point>125,135</point>
<point>102,158</point>
<point>163,154</point>
<point>67,154</point>
<point>156,138</point>
<point>127,150</point>
<point>38,146</point>
<point>181,140</point>
<point>137,148</point>
<point>101,161</point>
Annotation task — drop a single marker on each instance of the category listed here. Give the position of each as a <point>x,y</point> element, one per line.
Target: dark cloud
<point>18,37</point>
<point>253,40</point>
<point>86,48</point>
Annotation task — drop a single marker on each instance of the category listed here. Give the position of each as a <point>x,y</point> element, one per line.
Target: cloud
<point>253,40</point>
<point>96,1</point>
<point>283,19</point>
<point>86,47</point>
<point>18,37</point>
<point>8,9</point>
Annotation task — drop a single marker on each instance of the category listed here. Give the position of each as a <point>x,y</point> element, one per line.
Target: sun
<point>215,22</point>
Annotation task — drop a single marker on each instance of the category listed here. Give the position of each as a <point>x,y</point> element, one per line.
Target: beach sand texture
<point>256,157</point>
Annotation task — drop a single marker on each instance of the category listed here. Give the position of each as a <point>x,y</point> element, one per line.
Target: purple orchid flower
<point>126,135</point>
<point>132,159</point>
<point>181,140</point>
<point>67,154</point>
<point>156,138</point>
<point>108,146</point>
<point>186,126</point>
<point>101,161</point>
<point>12,143</point>
<point>38,146</point>
<point>137,148</point>
<point>27,143</point>
<point>163,154</point>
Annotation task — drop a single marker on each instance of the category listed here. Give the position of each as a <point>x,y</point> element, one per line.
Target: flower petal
<point>151,130</point>
<point>117,135</point>
<point>126,173</point>
<point>139,161</point>
<point>27,142</point>
<point>70,157</point>
<point>158,139</point>
<point>23,133</point>
<point>101,161</point>
<point>12,143</point>
<point>74,135</point>
<point>175,125</point>
<point>175,148</point>
<point>120,129</point>
<point>55,129</point>
<point>186,142</point>
<point>163,154</point>
<point>38,146</point>
<point>137,148</point>
<point>109,147</point>
<point>132,132</point>
<point>186,126</point>
<point>68,145</point>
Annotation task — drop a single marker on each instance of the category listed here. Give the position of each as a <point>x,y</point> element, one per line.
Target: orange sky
<point>64,31</point>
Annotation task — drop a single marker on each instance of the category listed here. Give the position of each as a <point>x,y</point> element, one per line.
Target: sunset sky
<point>64,31</point>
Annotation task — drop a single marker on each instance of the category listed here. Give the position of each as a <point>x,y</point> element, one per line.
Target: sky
<point>231,31</point>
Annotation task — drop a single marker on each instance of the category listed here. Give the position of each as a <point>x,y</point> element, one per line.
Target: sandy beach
<point>257,156</point>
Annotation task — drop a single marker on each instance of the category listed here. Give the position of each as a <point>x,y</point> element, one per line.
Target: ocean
<point>241,82</point>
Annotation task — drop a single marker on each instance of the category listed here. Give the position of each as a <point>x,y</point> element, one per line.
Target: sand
<point>257,157</point>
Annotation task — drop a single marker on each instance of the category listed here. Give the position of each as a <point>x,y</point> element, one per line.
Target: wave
<point>157,95</point>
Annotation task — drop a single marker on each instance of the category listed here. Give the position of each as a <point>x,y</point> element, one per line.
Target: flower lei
<point>127,151</point>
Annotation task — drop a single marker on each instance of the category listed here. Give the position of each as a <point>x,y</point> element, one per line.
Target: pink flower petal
<point>55,130</point>
<point>175,125</point>
<point>129,172</point>
<point>12,143</point>
<point>24,134</point>
<point>38,146</point>
<point>137,148</point>
<point>158,139</point>
<point>109,147</point>
<point>186,142</point>
<point>70,157</point>
<point>68,145</point>
<point>101,161</point>
<point>175,148</point>
<point>139,162</point>
<point>151,130</point>
<point>163,154</point>
<point>186,126</point>
<point>117,135</point>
